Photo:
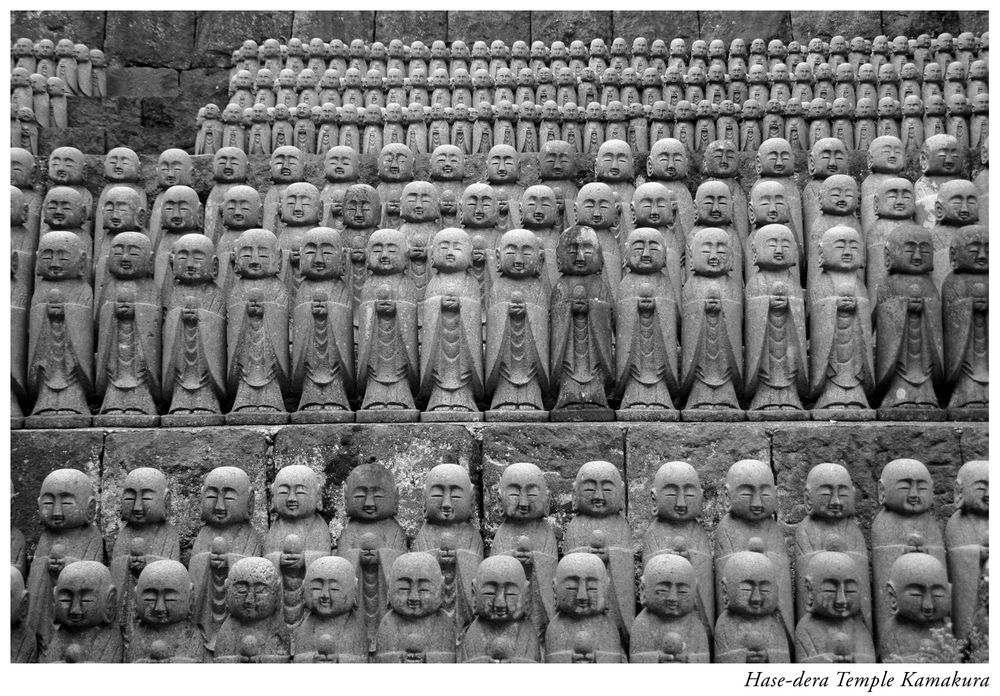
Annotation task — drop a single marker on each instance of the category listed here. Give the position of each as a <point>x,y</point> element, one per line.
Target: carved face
<point>714,204</point>
<point>957,203</point>
<point>387,252</point>
<point>775,158</point>
<point>653,205</point>
<point>581,584</point>
<point>229,165</point>
<point>646,251</point>
<point>22,165</point>
<point>448,494</point>
<point>122,211</point>
<point>970,250</point>
<point>829,492</point>
<point>241,208</point>
<point>910,251</point>
<point>395,163</point>
<point>894,199</point>
<point>84,595</point>
<point>370,493</point>
<point>720,159</point>
<point>598,490</point>
<point>295,492</point>
<point>775,247</point>
<point>163,593</point>
<point>767,199</point>
<point>181,209</point>
<point>256,254</point>
<point>226,497</point>
<point>193,259</point>
<point>286,165</point>
<point>596,206</point>
<point>520,254</point>
<point>330,586</point>
<point>972,486</point>
<point>66,500</point>
<point>144,497</point>
<point>556,161</point>
<point>524,493</point>
<point>750,584</point>
<point>677,492</point>
<point>669,586</point>
<point>711,252</point>
<point>300,205</point>
<point>501,164</point>
<point>833,585</point>
<point>668,160</point>
<point>415,584</point>
<point>447,163</point>
<point>479,207</point>
<point>253,589</point>
<point>66,166</point>
<point>63,208</point>
<point>906,487</point>
<point>539,208</point>
<point>839,195</point>
<point>941,156</point>
<point>419,202</point>
<point>174,168</point>
<point>841,249</point>
<point>500,589</point>
<point>918,589</point>
<point>750,490</point>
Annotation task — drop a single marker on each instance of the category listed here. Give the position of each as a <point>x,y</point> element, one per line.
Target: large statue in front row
<point>500,631</point>
<point>333,630</point>
<point>22,641</point>
<point>966,321</point>
<point>85,601</point>
<point>919,599</point>
<point>164,631</point>
<point>581,619</point>
<point>671,614</point>
<point>966,538</point>
<point>416,628</point>
<point>253,630</point>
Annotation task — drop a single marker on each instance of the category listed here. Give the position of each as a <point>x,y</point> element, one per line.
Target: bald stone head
<point>322,253</point>
<point>193,260</point>
<point>677,492</point>
<point>226,497</point>
<point>174,168</point>
<point>972,488</point>
<point>653,205</point>
<point>909,250</point>
<point>614,161</point>
<point>841,249</point>
<point>520,254</point>
<point>829,492</point>
<point>886,156</point>
<point>121,165</point>
<point>229,165</point>
<point>721,159</point>
<point>163,593</point>
<point>578,251</point>
<point>22,168</point>
<point>556,160</point>
<point>970,248</point>
<point>941,156</point>
<point>415,584</point>
<point>905,487</point>
<point>669,586</point>
<point>63,208</point>
<point>833,583</point>
<point>330,586</point>
<point>839,195</point>
<point>918,589</point>
<point>500,589</point>
<point>711,252</point>
<point>895,199</point>
<point>539,207</point>
<point>362,207</point>
<point>597,206</point>
<point>750,492</point>
<point>61,256</point>
<point>253,589</point>
<point>645,249</point>
<point>66,166</point>
<point>287,165</point>
<point>598,490</point>
<point>828,157</point>
<point>447,163</point>
<point>774,158</point>
<point>370,493</point>
<point>501,164</point>
<point>480,207</point>
<point>714,204</point>
<point>66,499</point>
<point>451,250</point>
<point>144,496</point>
<point>295,493</point>
<point>581,585</point>
<point>448,494</point>
<point>768,204</point>
<point>131,256</point>
<point>523,492</point>
<point>256,254</point>
<point>386,252</point>
<point>668,160</point>
<point>957,203</point>
<point>123,210</point>
<point>84,595</point>
<point>301,205</point>
<point>750,582</point>
<point>419,202</point>
<point>181,210</point>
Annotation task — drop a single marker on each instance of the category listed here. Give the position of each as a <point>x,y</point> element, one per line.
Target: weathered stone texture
<point>409,26</point>
<point>150,38</point>
<point>82,27</point>
<point>470,26</point>
<point>205,86</point>
<point>549,26</point>
<point>973,21</point>
<point>219,33</point>
<point>767,25</point>
<point>143,82</point>
<point>655,25</point>
<point>912,23</point>
<point>340,24</point>
<point>90,139</point>
<point>827,24</point>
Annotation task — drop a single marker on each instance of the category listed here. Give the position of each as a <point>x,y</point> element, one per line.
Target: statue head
<point>598,490</point>
<point>18,207</point>
<point>957,203</point>
<point>749,582</point>
<point>501,164</point>
<point>295,493</point>
<point>774,248</point>
<point>144,497</point>
<point>370,493</point>
<point>520,254</point>
<point>720,160</point>
<point>241,208</point>
<point>941,156</point>
<point>523,492</point>
<point>500,589</point>
<point>226,497</point>
<point>287,165</point>
<point>833,583</point>
<point>253,589</point>
<point>361,207</point>
<point>22,168</point>
<point>447,163</point>
<point>885,155</point>
<point>341,164</point>
<point>556,160</point>
<point>386,252</point>
<point>64,208</point>
<point>841,249</point>
<point>415,584</point>
<point>301,205</point>
<point>774,158</point>
<point>479,206</point>
<point>894,199</point>
<point>597,206</point>
<point>66,166</point>
<point>181,210</point>
<point>66,500</point>
<point>646,250</point>
<point>972,488</point>
<point>18,598</point>
<point>750,492</point>
<point>581,585</point>
<point>578,251</point>
<point>121,165</point>
<point>256,254</point>
<point>653,205</point>
<point>322,254</point>
<point>909,250</point>
<point>163,593</point>
<point>711,254</point>
<point>839,195</point>
<point>539,207</point>
<point>330,586</point>
<point>970,249</point>
<point>905,487</point>
<point>768,204</point>
<point>229,165</point>
<point>123,210</point>
<point>419,202</point>
<point>84,595</point>
<point>174,168</point>
<point>448,494</point>
<point>918,589</point>
<point>677,493</point>
<point>614,161</point>
<point>714,203</point>
<point>668,587</point>
<point>193,260</point>
<point>829,492</point>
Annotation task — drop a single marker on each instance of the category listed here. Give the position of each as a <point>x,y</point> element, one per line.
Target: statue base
<point>445,416</point>
<point>322,416</point>
<point>955,414</point>
<point>774,414</point>
<point>16,422</point>
<point>191,420</point>
<point>707,415</point>
<point>662,415</point>
<point>582,415</point>
<point>62,422</point>
<point>910,414</point>
<point>126,420</point>
<point>843,414</point>
<point>257,418</point>
<point>516,416</point>
<point>388,415</point>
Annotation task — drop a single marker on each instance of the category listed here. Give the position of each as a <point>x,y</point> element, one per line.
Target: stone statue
<point>500,592</point>
<point>300,211</point>
<point>714,208</point>
<point>447,169</point>
<point>894,204</point>
<point>450,317</point>
<point>67,507</point>
<point>193,336</point>
<point>175,168</point>
<point>668,165</point>
<point>671,611</point>
<point>775,162</point>
<point>60,366</point>
<point>420,210</point>
<point>966,537</point>
<point>85,602</point>
<point>886,160</point>
<point>711,330</point>
<point>720,162</point>
<point>253,630</point>
<point>239,210</point>
<point>182,214</point>
<point>557,169</point>
<point>333,629</point>
<point>904,523</point>
<point>908,366</point>
<point>834,588</point>
<point>940,160</point>
<point>340,167</point>
<point>163,612</point>
<point>22,169</point>
<point>517,329</point>
<point>829,501</point>
<point>581,591</point>
<point>229,169</point>
<point>613,167</point>
<point>22,641</point>
<point>599,527</point>
<point>966,323</point>
<point>416,621</point>
<point>66,169</point>
<point>452,537</point>
<point>751,504</point>
<point>827,159</point>
<point>956,205</point>
<point>287,167</point>
<point>919,600</point>
<point>257,331</point>
<point>582,323</point>
<point>63,210</point>
<point>751,627</point>
<point>121,168</point>
<point>387,333</point>
<point>502,170</point>
<point>371,540</point>
<point>480,216</point>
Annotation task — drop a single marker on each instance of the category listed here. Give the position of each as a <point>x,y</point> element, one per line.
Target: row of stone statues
<point>566,595</point>
<point>82,70</point>
<point>36,102</point>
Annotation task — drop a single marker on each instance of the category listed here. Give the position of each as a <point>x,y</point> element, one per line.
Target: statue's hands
<point>601,552</point>
<point>503,206</point>
<point>523,557</point>
<point>916,305</point>
<point>125,310</point>
<point>357,255</point>
<point>581,306</point>
<point>516,309</point>
<point>255,309</point>
<point>779,301</point>
<point>56,564</point>
<point>418,254</point>
<point>980,304</point>
<point>136,563</point>
<point>294,255</point>
<point>847,302</point>
<point>713,305</point>
<point>385,308</point>
<point>218,561</point>
<point>56,310</point>
<point>319,308</point>
<point>289,561</point>
<point>189,315</point>
<point>646,304</point>
<point>450,303</point>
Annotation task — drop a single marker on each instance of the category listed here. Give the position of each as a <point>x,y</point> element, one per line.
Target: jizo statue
<point>965,314</point>
<point>919,599</point>
<point>85,603</point>
<point>966,538</point>
<point>500,592</point>
<point>581,626</point>
<point>416,629</point>
<point>253,630</point>
<point>333,629</point>
<point>671,613</point>
<point>164,631</point>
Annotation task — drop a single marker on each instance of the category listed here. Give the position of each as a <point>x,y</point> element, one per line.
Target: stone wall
<point>163,66</point>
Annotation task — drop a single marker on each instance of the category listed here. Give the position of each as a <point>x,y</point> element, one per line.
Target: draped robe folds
<point>387,346</point>
<point>773,377</point>
<point>966,537</point>
<point>841,345</point>
<point>323,347</point>
<point>646,369</point>
<point>649,630</point>
<point>347,630</point>
<point>542,571</point>
<point>810,537</point>
<point>207,599</point>
<point>709,363</point>
<point>193,358</point>
<point>451,359</point>
<point>908,352</point>
<point>517,348</point>
<point>659,538</point>
<point>20,297</point>
<point>731,631</point>
<point>258,346</point>
<point>437,632</point>
<point>101,643</point>
<point>420,271</point>
<point>161,543</point>
<point>814,639</point>
<point>966,341</point>
<point>60,369</point>
<point>481,635</point>
<point>582,356</point>
<point>621,574</point>
<point>128,350</point>
<point>561,635</point>
<point>468,555</point>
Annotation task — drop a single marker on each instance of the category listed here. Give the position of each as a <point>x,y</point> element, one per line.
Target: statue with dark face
<point>253,630</point>
<point>966,322</point>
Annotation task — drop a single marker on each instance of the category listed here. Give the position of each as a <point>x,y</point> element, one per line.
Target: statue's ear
<point>320,207</point>
<point>111,605</point>
<point>725,592</point>
<point>809,592</point>
<point>251,502</point>
<point>649,166</point>
<point>727,500</point>
<point>642,593</point>
<point>140,217</point>
<point>812,164</point>
<point>757,165</point>
<point>890,593</point>
<point>954,264</point>
<point>881,486</point>
<point>84,264</point>
<point>232,258</point>
<point>751,215</point>
<point>924,161</point>
<point>868,161</point>
<point>215,266</point>
<point>807,496</point>
<point>201,216</point>
<point>91,510</point>
<point>938,210</point>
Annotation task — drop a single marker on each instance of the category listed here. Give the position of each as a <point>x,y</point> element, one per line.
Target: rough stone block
<point>655,25</point>
<point>205,85</point>
<point>150,38</point>
<point>407,26</point>
<point>82,27</point>
<point>36,453</point>
<point>86,139</point>
<point>549,26</point>
<point>728,25</point>
<point>475,25</point>
<point>219,33</point>
<point>559,450</point>
<point>974,442</point>
<point>974,21</point>
<point>913,23</point>
<point>824,25</point>
<point>344,25</point>
<point>409,451</point>
<point>143,82</point>
<point>93,112</point>
<point>185,456</point>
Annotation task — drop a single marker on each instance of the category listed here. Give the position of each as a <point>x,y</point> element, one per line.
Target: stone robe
<point>517,348</point>
<point>323,346</point>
